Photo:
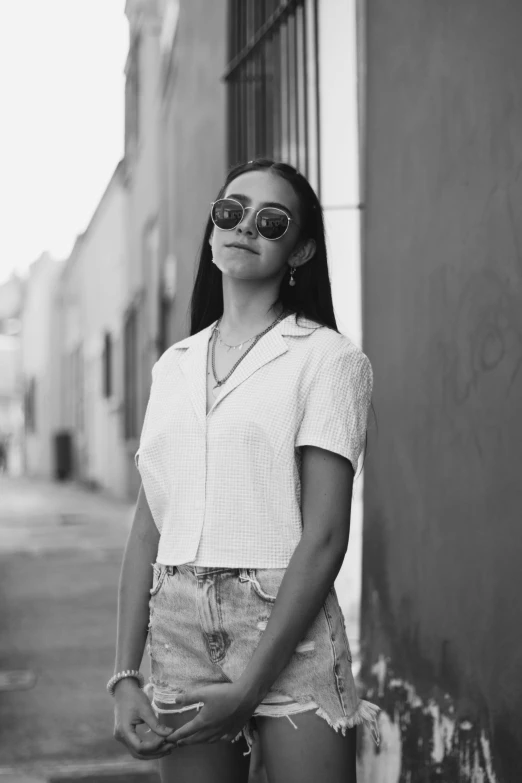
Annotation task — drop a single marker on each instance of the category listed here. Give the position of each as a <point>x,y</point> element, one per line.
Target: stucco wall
<point>442,301</point>
<point>37,360</point>
<point>102,258</point>
<point>194,151</point>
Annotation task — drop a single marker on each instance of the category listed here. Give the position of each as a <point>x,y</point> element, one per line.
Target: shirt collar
<point>287,327</point>
<point>193,361</point>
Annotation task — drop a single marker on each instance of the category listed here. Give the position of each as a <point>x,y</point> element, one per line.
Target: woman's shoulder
<point>336,358</point>
<point>328,342</point>
<point>170,357</point>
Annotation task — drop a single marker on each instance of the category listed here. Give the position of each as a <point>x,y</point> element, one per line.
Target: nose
<point>248,224</point>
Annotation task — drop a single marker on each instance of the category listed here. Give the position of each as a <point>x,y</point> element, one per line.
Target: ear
<point>304,252</point>
<point>211,237</point>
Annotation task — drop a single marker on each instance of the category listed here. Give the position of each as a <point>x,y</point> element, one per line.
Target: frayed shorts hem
<point>366,712</point>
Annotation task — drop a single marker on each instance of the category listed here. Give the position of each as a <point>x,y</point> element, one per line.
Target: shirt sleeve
<point>337,403</point>
<point>137,455</point>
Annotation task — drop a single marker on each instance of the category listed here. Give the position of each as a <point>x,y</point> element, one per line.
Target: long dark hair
<point>311,297</point>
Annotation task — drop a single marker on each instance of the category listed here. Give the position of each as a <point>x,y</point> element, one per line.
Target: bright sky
<point>62,120</point>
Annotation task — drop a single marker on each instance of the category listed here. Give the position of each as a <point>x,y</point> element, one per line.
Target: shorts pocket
<point>266,582</point>
<point>158,575</point>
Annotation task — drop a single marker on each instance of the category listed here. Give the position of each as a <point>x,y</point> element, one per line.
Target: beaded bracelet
<point>121,675</point>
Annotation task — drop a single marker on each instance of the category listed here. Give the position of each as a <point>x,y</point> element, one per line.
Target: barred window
<point>78,386</point>
<point>107,365</point>
<point>30,405</point>
<point>272,83</point>
<point>130,392</point>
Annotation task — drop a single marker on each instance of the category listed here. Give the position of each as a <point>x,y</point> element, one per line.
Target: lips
<point>242,247</point>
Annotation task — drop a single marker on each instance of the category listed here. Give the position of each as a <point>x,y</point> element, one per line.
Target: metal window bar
<point>283,77</point>
<point>312,91</point>
<point>300,65</point>
<point>130,373</point>
<point>272,51</point>
<point>246,45</point>
<point>303,100</point>
<point>291,91</point>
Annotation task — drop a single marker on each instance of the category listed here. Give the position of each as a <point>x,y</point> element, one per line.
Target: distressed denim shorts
<point>205,624</point>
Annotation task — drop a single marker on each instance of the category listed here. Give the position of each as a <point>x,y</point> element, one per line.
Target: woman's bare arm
<point>134,590</point>
<point>327,484</point>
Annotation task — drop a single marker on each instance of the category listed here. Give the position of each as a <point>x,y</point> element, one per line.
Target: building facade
<point>91,304</point>
<point>443,302</point>
<point>141,316</point>
<point>39,364</point>
<point>192,148</point>
<point>11,387</point>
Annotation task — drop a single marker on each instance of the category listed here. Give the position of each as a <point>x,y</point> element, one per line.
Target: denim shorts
<point>205,623</point>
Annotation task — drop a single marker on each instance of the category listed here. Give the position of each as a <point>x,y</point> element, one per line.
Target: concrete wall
<point>193,146</point>
<point>11,407</point>
<point>339,189</point>
<point>100,294</point>
<point>37,362</point>
<point>142,171</point>
<point>443,327</point>
<point>70,325</point>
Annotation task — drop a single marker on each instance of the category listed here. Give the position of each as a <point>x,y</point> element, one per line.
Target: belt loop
<point>243,575</point>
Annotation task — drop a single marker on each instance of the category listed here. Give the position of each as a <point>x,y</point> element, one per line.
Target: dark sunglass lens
<point>226,213</point>
<point>271,223</point>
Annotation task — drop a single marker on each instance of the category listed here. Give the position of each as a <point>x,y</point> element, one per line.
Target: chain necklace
<point>233,346</point>
<point>256,339</point>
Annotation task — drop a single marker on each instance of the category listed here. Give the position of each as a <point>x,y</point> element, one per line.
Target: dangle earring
<point>292,281</point>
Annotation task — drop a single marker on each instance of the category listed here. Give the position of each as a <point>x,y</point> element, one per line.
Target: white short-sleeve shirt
<point>224,489</point>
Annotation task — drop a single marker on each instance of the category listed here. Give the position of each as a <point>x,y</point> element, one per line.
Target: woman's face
<point>264,258</point>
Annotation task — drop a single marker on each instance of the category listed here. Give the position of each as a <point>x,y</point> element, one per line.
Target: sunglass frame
<point>235,201</point>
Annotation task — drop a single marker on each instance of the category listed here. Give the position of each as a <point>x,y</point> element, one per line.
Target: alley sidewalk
<point>60,555</point>
<point>61,549</point>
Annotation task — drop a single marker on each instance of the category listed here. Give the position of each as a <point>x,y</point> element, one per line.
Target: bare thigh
<point>312,752</point>
<point>217,762</point>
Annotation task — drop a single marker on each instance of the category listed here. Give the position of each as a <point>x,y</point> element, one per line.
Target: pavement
<point>61,549</point>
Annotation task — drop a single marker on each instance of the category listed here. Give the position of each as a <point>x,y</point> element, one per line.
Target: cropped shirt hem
<point>226,563</point>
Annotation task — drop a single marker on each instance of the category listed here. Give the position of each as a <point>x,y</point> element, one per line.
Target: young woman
<point>249,447</point>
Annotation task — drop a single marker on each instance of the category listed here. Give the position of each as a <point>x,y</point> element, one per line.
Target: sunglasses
<point>271,222</point>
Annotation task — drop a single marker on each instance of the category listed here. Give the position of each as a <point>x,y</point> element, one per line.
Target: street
<point>61,549</point>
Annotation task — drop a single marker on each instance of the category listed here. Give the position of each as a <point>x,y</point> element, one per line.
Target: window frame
<point>272,83</point>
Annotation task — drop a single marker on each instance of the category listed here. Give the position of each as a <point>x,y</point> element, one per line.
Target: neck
<point>237,328</point>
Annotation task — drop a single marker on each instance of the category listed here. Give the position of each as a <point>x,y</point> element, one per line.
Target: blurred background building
<point>11,392</point>
<point>40,360</point>
<point>90,306</point>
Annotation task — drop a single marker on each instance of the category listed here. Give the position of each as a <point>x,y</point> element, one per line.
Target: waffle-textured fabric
<point>224,489</point>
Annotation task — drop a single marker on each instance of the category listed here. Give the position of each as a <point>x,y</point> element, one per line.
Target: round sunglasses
<point>227,213</point>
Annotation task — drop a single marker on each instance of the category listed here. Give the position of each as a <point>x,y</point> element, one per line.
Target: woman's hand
<point>223,715</point>
<point>132,709</point>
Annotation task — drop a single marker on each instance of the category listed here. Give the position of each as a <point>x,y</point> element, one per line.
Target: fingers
<point>154,725</point>
<point>151,756</point>
<point>146,752</point>
<point>138,712</point>
<point>152,748</point>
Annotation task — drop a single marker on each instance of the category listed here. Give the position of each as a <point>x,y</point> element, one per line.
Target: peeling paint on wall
<point>422,740</point>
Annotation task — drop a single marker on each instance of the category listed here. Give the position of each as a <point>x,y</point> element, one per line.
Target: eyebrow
<point>241,197</point>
